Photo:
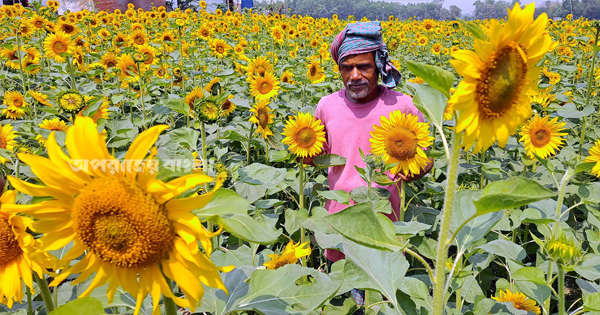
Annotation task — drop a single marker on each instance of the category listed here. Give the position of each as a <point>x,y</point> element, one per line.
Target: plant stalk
<point>442,252</point>
<point>249,144</point>
<point>561,291</point>
<point>589,92</point>
<point>301,203</point>
<point>45,292</point>
<point>402,201</point>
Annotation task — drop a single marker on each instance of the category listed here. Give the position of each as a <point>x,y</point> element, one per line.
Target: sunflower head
<point>71,101</point>
<point>208,111</point>
<point>262,118</point>
<point>519,300</point>
<point>542,137</point>
<point>290,255</point>
<point>401,139</point>
<point>305,135</point>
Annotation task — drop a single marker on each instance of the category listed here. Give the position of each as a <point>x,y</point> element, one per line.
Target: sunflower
<point>542,136</point>
<point>194,95</point>
<point>219,48</point>
<point>71,101</point>
<point>40,97</point>
<point>304,135</point>
<point>139,37</point>
<point>259,66</point>
<point>227,107</point>
<point>30,66</point>
<point>287,77</point>
<point>57,44</point>
<point>543,98</point>
<point>19,257</point>
<point>38,21</point>
<point>264,88</point>
<point>14,100</point>
<point>54,124</point>
<point>315,72</point>
<point>149,54</point>
<point>519,301</point>
<point>127,65</point>
<point>401,139</point>
<point>121,40</point>
<point>290,255</point>
<point>7,142</point>
<point>67,27</point>
<point>262,118</point>
<point>124,223</point>
<point>208,111</point>
<point>594,156</point>
<point>108,60</point>
<point>11,56</point>
<point>492,100</point>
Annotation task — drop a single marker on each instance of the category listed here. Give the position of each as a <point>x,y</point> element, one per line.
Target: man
<point>349,115</point>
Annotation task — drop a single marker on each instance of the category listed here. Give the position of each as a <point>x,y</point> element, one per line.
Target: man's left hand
<point>411,177</point>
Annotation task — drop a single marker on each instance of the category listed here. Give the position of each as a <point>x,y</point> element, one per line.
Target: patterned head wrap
<point>364,37</point>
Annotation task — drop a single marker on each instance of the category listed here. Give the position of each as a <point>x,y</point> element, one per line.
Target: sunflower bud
<point>563,250</point>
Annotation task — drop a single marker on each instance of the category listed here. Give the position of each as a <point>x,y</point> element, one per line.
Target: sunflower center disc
<point>305,137</point>
<point>122,224</point>
<point>263,117</point>
<point>500,84</point>
<point>9,246</point>
<point>540,138</point>
<point>3,142</point>
<point>18,102</point>
<point>220,49</point>
<point>265,88</point>
<point>59,47</point>
<point>401,143</point>
<point>313,71</point>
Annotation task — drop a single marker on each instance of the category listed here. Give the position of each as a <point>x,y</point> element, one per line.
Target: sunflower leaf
<point>87,305</point>
<point>329,160</point>
<point>431,102</point>
<point>510,194</point>
<point>436,77</point>
<point>361,225</point>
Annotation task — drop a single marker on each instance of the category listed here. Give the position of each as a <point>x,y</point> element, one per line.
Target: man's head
<point>363,40</point>
<point>360,75</point>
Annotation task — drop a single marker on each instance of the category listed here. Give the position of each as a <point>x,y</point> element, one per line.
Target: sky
<point>465,5</point>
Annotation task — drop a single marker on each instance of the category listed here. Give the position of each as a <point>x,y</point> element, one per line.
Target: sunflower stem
<point>561,292</point>
<point>249,144</point>
<point>45,292</point>
<point>72,75</point>
<point>589,92</point>
<point>170,306</point>
<point>402,201</point>
<point>301,203</point>
<point>442,252</point>
<point>205,164</point>
<point>29,306</point>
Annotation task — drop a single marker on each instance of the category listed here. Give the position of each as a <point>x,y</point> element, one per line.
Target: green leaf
<point>177,105</point>
<point>368,268</point>
<point>228,209</point>
<point>384,180</point>
<point>217,301</point>
<point>474,29</point>
<point>569,110</point>
<point>509,194</point>
<point>87,306</point>
<point>431,102</point>
<point>591,303</point>
<point>590,268</point>
<point>590,193</point>
<point>294,219</point>
<point>329,160</point>
<point>436,77</point>
<point>538,292</point>
<point>410,228</point>
<point>532,274</point>
<point>584,167</point>
<point>263,175</point>
<point>340,196</point>
<point>185,136</point>
<point>505,248</point>
<point>277,292</point>
<point>359,194</point>
<point>360,224</point>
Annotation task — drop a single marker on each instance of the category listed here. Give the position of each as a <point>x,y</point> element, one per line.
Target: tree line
<point>435,9</point>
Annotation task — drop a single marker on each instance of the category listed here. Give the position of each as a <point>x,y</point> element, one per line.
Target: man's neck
<point>371,96</point>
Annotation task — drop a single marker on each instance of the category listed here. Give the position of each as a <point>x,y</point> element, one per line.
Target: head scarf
<point>365,37</point>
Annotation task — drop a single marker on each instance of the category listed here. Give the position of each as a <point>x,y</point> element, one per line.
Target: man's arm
<point>412,177</point>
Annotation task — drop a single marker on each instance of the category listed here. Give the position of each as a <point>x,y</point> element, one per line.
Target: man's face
<point>359,73</point>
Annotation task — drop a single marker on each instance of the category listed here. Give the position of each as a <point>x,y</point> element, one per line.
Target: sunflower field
<point>153,163</point>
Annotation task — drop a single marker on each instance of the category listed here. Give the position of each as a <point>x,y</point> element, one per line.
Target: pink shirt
<point>348,126</point>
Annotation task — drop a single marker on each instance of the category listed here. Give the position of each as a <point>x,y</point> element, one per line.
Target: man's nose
<point>355,74</point>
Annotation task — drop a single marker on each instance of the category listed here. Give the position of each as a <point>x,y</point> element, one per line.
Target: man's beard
<point>362,89</point>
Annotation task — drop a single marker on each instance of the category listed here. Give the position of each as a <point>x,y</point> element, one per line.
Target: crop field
<point>160,162</point>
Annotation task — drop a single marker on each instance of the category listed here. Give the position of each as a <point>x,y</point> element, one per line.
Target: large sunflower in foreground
<point>262,118</point>
<point>594,156</point>
<point>519,301</point>
<point>125,223</point>
<point>542,136</point>
<point>492,99</point>
<point>401,139</point>
<point>264,88</point>
<point>58,44</point>
<point>19,257</point>
<point>304,135</point>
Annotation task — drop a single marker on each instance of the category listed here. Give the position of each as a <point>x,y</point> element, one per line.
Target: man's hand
<point>411,177</point>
